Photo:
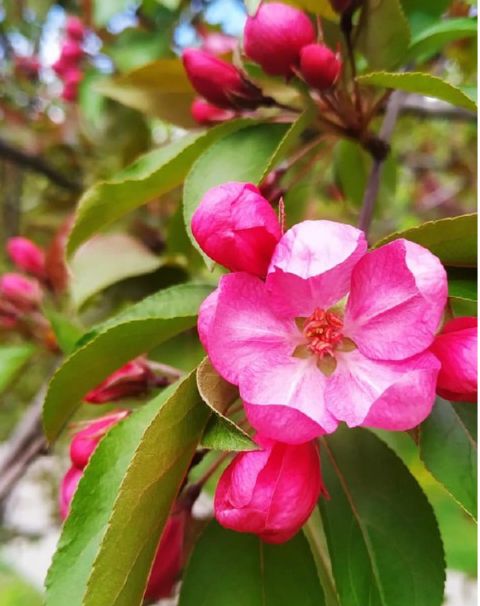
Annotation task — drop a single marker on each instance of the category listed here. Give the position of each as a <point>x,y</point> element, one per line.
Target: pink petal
<point>312,265</point>
<point>245,328</point>
<point>284,398</point>
<point>397,299</point>
<point>206,316</point>
<point>394,395</point>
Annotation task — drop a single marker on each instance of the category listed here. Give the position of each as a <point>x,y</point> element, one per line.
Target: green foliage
<point>12,360</point>
<point>432,39</point>
<point>230,569</point>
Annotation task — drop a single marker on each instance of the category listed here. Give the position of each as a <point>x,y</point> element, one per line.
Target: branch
<point>421,106</point>
<point>36,164</point>
<point>373,184</point>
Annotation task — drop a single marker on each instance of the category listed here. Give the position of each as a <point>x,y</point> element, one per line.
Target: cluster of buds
<point>27,66</point>
<point>279,38</point>
<point>169,556</point>
<point>67,66</point>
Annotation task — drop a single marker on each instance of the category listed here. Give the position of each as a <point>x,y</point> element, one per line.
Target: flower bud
<point>275,35</point>
<point>27,66</point>
<point>168,559</point>
<point>320,66</point>
<point>71,52</point>
<point>132,379</point>
<point>20,291</point>
<point>237,227</point>
<point>219,82</point>
<point>86,440</point>
<point>456,348</point>
<point>27,256</point>
<point>270,492</point>
<point>67,490</point>
<point>206,113</point>
<point>75,28</point>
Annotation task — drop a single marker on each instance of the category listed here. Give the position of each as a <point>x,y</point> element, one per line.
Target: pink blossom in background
<point>237,227</point>
<point>132,379</point>
<point>270,492</point>
<point>275,35</point>
<point>27,256</point>
<point>334,333</point>
<point>25,293</point>
<point>456,348</point>
<point>74,28</point>
<point>217,43</point>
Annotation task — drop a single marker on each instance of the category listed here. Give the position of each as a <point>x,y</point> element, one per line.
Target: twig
<point>373,184</point>
<point>36,164</point>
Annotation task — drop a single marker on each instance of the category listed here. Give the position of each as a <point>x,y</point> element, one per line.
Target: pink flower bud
<point>73,76</point>
<point>70,92</point>
<point>168,559</point>
<point>320,66</point>
<point>270,492</point>
<point>206,113</point>
<point>86,440</point>
<point>219,82</point>
<point>20,291</point>
<point>67,490</point>
<point>275,36</point>
<point>132,379</point>
<point>456,348</point>
<point>237,227</point>
<point>61,66</point>
<point>75,28</point>
<point>71,52</point>
<point>27,256</point>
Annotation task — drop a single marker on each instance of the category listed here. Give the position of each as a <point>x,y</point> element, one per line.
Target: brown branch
<point>36,164</point>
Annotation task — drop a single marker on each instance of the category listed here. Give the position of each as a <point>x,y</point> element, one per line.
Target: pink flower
<point>219,82</point>
<point>237,227</point>
<point>168,559</point>
<point>217,43</point>
<point>275,35</point>
<point>320,66</point>
<point>204,112</point>
<point>132,379</point>
<point>333,334</point>
<point>86,440</point>
<point>270,492</point>
<point>67,490</point>
<point>71,52</point>
<point>27,256</point>
<point>456,348</point>
<point>75,28</point>
<point>25,293</point>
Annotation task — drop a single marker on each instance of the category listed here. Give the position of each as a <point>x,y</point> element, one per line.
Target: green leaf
<point>235,569</point>
<point>148,177</point>
<point>383,537</point>
<point>462,291</point>
<point>448,447</point>
<point>383,34</point>
<point>66,331</point>
<point>434,38</point>
<point>148,490</point>
<point>423,14</point>
<point>246,155</point>
<point>453,240</point>
<point>105,260</point>
<point>322,8</point>
<point>422,84</point>
<point>221,432</point>
<point>104,10</point>
<point>12,360</point>
<point>115,342</point>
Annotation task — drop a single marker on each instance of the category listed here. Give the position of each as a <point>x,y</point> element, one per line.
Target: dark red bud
<point>320,66</point>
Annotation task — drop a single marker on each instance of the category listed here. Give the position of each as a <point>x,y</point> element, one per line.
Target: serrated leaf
<point>448,447</point>
<point>383,34</point>
<point>434,38</point>
<point>12,360</point>
<point>453,240</point>
<point>382,534</point>
<point>131,333</point>
<point>147,492</point>
<point>152,175</point>
<point>235,569</point>
<point>422,84</point>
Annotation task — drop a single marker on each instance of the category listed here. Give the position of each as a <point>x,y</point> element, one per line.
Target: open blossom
<point>27,255</point>
<point>275,35</point>
<point>237,227</point>
<point>334,333</point>
<point>132,379</point>
<point>456,348</point>
<point>270,492</point>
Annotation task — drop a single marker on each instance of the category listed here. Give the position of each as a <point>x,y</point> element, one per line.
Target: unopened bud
<point>132,379</point>
<point>27,255</point>
<point>204,112</point>
<point>320,66</point>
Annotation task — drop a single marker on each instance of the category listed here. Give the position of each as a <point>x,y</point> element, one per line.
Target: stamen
<point>323,331</point>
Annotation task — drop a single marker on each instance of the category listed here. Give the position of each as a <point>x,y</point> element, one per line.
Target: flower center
<point>323,331</point>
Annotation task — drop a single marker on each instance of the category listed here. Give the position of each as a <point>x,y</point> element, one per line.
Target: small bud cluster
<point>279,38</point>
<point>67,67</point>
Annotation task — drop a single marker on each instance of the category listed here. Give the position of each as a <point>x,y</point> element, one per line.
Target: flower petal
<point>397,299</point>
<point>384,394</point>
<point>312,265</point>
<point>245,327</point>
<point>206,316</point>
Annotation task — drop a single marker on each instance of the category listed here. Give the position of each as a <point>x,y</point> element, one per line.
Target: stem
<point>192,492</point>
<point>373,184</point>
<point>346,26</point>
